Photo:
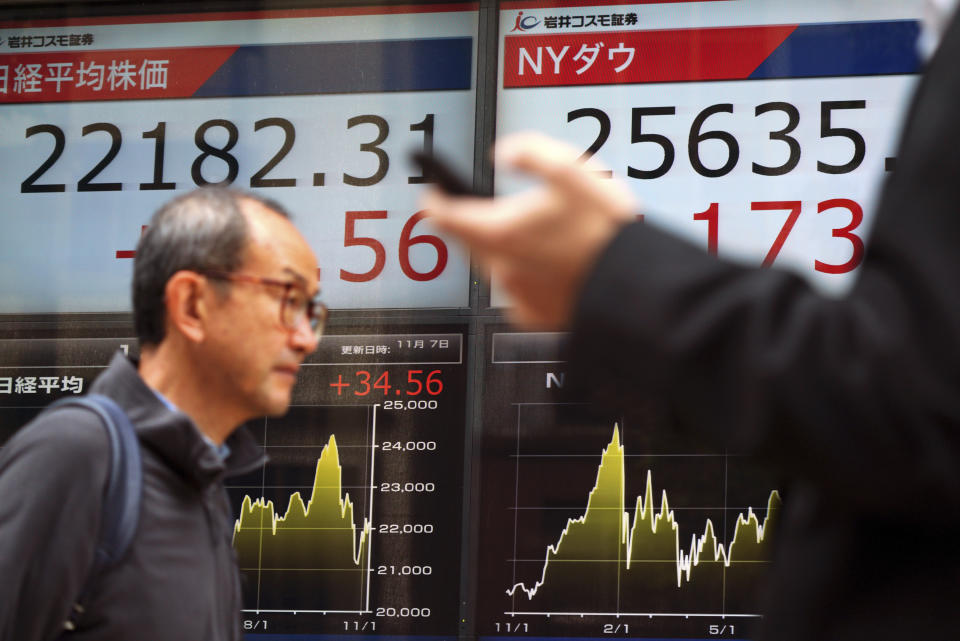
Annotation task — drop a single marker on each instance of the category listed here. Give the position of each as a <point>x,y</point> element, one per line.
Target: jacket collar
<point>171,435</point>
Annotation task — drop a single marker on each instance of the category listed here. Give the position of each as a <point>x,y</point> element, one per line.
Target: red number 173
<point>793,207</point>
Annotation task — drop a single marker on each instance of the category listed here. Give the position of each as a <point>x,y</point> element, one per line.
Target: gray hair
<point>198,231</point>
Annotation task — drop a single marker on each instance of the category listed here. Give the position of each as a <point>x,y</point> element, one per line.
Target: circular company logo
<point>524,24</point>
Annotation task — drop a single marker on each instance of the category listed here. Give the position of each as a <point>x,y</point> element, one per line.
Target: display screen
<point>105,121</point>
<point>598,524</point>
<point>354,525</point>
<point>759,131</point>
<point>433,478</point>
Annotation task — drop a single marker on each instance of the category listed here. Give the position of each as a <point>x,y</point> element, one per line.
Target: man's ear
<point>187,301</point>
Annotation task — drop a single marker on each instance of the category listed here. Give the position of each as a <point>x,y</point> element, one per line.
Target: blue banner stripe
<point>344,67</point>
<point>845,49</point>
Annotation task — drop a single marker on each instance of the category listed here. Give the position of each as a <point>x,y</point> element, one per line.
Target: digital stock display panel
<point>354,526</point>
<point>608,526</point>
<point>758,130</point>
<point>432,479</point>
<point>105,120</point>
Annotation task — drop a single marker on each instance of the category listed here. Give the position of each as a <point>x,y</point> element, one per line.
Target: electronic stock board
<point>317,112</point>
<point>429,481</point>
<point>759,131</point>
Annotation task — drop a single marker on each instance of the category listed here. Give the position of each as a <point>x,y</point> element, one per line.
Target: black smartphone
<point>438,172</point>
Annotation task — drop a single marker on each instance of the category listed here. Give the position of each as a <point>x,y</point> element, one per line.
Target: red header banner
<point>674,55</point>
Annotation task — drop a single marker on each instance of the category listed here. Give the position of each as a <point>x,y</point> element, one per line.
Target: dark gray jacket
<point>179,577</point>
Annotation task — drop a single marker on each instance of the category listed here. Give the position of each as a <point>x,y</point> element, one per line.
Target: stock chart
<point>597,524</point>
<point>354,524</point>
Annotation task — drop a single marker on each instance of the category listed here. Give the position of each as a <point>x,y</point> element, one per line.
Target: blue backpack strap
<point>121,503</point>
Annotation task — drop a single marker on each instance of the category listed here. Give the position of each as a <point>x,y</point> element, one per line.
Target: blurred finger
<point>558,164</point>
<point>473,220</point>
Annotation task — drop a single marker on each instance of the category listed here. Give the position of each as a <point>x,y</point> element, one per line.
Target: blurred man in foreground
<point>855,401</point>
<point>223,299</point>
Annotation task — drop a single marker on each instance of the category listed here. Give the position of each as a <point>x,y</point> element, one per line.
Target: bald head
<point>206,229</point>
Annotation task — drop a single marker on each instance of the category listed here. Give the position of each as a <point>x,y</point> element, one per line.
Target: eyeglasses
<point>295,305</point>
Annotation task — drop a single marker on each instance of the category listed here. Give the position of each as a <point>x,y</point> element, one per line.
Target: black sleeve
<point>860,395</point>
<point>52,477</point>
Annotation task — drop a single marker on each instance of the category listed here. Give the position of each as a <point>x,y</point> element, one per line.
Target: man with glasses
<point>224,307</point>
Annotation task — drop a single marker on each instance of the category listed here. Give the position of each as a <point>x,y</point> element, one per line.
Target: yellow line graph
<point>603,542</point>
<point>318,536</point>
